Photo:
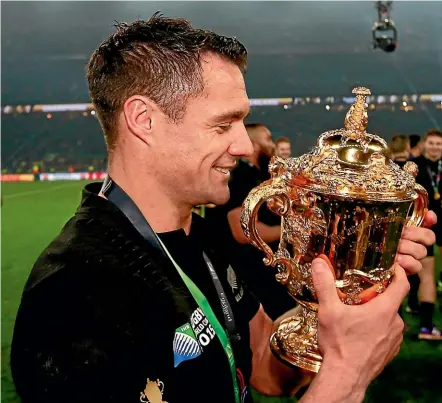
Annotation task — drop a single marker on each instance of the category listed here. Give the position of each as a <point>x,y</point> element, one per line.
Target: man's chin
<point>221,198</point>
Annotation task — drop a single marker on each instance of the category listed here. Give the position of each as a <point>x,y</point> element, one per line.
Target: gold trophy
<point>347,201</point>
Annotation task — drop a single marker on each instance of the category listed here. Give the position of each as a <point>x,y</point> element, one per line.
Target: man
<point>416,145</point>
<point>430,171</point>
<point>133,301</point>
<point>245,258</point>
<point>399,148</point>
<point>283,147</point>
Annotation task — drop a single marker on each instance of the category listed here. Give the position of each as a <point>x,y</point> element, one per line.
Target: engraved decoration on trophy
<point>346,201</point>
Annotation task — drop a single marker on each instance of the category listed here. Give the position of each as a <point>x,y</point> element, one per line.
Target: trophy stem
<point>296,343</point>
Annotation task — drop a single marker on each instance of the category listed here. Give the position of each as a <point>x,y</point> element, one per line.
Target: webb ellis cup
<point>347,201</point>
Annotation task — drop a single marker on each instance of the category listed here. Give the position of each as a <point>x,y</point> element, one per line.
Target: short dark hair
<point>159,58</point>
<point>282,139</point>
<point>415,139</point>
<point>433,132</point>
<point>399,143</point>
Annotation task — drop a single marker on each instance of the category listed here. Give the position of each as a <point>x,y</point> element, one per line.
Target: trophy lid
<point>350,162</point>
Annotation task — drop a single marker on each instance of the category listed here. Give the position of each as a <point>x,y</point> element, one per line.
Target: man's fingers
<point>324,282</point>
<point>409,264</point>
<point>420,235</point>
<point>430,219</point>
<point>414,249</point>
<point>397,290</point>
<point>397,349</point>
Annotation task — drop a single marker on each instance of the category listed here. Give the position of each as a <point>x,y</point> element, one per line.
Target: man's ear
<point>139,114</point>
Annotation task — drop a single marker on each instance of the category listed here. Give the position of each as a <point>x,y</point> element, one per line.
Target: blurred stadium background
<point>305,57</point>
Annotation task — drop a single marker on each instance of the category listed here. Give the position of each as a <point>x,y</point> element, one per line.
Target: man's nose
<point>242,146</point>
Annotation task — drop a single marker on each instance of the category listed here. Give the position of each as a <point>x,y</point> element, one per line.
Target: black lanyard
<point>121,199</point>
<point>229,320</point>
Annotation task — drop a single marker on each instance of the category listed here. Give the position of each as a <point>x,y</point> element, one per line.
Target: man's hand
<point>268,233</point>
<point>413,243</point>
<point>356,341</point>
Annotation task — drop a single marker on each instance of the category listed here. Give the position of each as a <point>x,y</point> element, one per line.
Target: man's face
<point>283,150</point>
<point>433,147</point>
<point>195,156</point>
<point>264,142</point>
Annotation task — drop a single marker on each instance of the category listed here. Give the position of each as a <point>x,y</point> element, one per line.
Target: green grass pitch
<point>33,213</point>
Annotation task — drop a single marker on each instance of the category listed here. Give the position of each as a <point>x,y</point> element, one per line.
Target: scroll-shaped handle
<point>275,190</point>
<point>420,207</point>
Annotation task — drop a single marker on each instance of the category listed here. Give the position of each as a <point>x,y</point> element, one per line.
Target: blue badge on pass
<point>185,345</point>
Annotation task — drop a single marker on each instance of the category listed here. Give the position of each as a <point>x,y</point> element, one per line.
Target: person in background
<point>416,145</point>
<point>429,176</point>
<point>283,147</point>
<point>399,148</point>
<point>245,258</point>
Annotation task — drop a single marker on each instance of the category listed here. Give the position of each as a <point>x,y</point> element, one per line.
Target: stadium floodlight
<point>384,30</point>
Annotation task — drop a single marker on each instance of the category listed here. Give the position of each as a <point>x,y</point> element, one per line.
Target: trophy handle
<point>420,207</point>
<point>276,191</point>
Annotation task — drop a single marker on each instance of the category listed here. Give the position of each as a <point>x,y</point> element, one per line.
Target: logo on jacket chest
<point>192,337</point>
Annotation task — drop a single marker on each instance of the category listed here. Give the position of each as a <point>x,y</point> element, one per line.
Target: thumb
<point>324,282</point>
<point>430,219</point>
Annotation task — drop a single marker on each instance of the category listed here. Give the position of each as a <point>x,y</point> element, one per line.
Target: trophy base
<point>295,342</point>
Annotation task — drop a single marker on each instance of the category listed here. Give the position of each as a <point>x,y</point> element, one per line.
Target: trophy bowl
<point>345,201</point>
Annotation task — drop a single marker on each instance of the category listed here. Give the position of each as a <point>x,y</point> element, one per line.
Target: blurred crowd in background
<point>73,141</point>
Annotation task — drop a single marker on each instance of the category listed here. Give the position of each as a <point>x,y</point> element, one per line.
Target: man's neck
<point>415,153</point>
<point>159,210</point>
<point>434,159</point>
<point>254,160</point>
<point>401,157</point>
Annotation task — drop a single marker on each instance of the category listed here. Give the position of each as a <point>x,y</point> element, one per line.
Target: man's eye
<point>225,128</point>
